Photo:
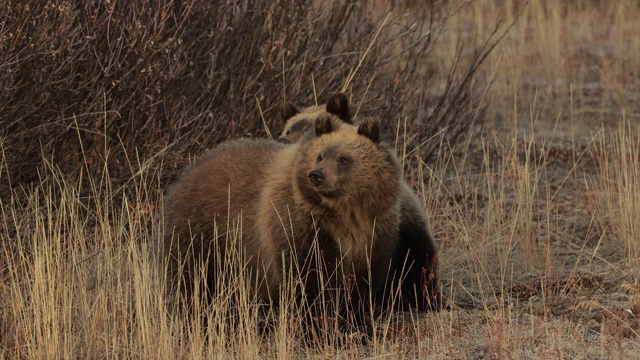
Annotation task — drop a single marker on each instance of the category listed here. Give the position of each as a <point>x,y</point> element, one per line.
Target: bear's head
<point>298,121</point>
<point>347,165</point>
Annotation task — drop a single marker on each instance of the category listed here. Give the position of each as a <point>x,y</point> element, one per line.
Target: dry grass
<point>536,217</point>
<point>617,186</point>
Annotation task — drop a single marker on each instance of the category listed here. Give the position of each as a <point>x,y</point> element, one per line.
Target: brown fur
<point>196,211</point>
<point>416,257</point>
<point>284,215</point>
<point>298,121</point>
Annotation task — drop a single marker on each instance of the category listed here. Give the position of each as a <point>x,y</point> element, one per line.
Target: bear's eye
<point>288,132</point>
<point>319,157</point>
<point>344,161</point>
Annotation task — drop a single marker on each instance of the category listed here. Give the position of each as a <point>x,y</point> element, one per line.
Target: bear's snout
<point>316,177</point>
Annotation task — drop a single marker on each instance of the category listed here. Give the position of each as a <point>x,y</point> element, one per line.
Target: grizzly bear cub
<point>326,208</point>
<point>298,121</point>
<point>415,260</point>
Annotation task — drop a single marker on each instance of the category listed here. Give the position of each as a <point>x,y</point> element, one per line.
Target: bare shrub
<point>90,81</point>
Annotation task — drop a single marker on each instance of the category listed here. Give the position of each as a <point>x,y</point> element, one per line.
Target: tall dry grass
<point>581,53</point>
<point>535,219</point>
<point>616,185</point>
<point>77,282</point>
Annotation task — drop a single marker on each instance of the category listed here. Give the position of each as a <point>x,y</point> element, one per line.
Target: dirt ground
<point>581,298</point>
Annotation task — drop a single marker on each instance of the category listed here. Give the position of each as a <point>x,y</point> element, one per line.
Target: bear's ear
<point>370,129</point>
<point>288,110</point>
<point>338,105</point>
<point>323,125</point>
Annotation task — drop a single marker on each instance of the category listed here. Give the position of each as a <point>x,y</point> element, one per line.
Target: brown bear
<point>329,202</point>
<point>298,121</point>
<point>415,260</point>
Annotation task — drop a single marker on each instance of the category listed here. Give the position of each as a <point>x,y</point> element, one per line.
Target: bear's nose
<point>316,177</point>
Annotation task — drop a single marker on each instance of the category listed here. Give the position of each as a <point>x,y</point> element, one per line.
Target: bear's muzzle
<point>316,177</point>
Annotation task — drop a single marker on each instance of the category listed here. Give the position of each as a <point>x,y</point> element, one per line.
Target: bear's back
<point>230,175</point>
<point>215,197</point>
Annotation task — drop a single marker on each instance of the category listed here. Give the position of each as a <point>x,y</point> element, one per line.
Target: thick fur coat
<point>325,209</point>
<point>414,266</point>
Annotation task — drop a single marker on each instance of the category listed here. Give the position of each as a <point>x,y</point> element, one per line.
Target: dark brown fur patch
<point>323,125</point>
<point>370,129</point>
<point>338,105</point>
<point>288,110</point>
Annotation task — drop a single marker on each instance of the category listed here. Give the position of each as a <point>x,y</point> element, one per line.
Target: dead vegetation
<point>525,154</point>
<point>164,80</point>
